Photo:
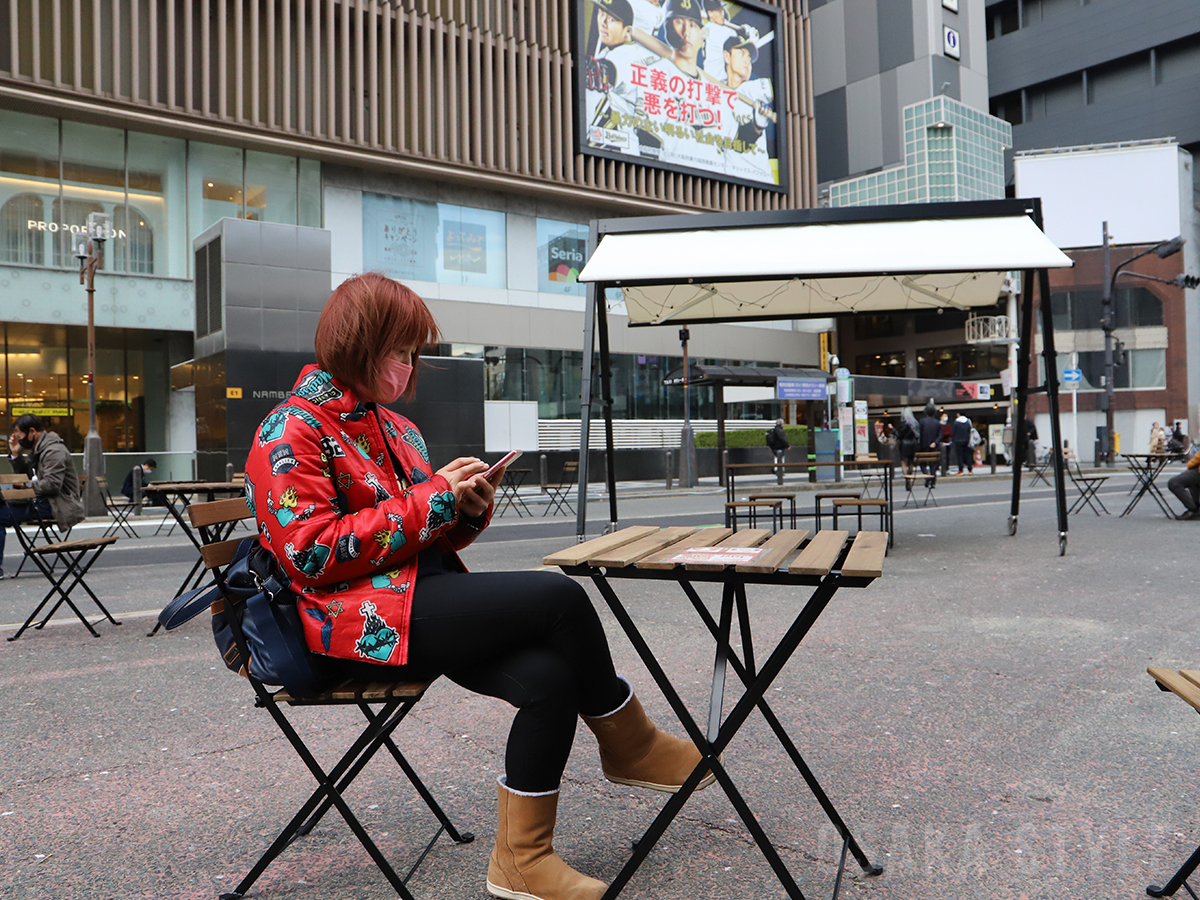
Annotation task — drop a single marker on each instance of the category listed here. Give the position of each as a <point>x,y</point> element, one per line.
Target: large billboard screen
<point>690,85</point>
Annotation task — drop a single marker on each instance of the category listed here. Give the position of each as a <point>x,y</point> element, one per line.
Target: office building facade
<point>433,139</point>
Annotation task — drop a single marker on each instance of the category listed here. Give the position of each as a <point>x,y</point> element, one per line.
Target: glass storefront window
<point>400,237</point>
<point>471,247</point>
<point>270,187</point>
<point>214,186</point>
<point>28,186</point>
<point>309,191</point>
<point>93,180</point>
<point>156,213</point>
<point>562,251</point>
<point>887,364</point>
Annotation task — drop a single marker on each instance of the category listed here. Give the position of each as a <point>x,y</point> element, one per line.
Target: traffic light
<point>1187,281</point>
<point>1119,357</point>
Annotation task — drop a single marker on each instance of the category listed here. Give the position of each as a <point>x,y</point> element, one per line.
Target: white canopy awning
<point>797,271</point>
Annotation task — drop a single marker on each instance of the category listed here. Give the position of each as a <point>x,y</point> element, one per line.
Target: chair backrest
<point>220,512</point>
<point>13,479</point>
<point>570,471</point>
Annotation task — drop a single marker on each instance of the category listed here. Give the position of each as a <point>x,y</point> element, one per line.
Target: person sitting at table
<point>51,474</point>
<point>1178,441</point>
<point>149,498</point>
<point>1186,486</point>
<point>368,532</point>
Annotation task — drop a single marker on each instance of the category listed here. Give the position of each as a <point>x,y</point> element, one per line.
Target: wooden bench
<point>877,505</point>
<point>394,699</point>
<point>752,508</point>
<point>1184,684</point>
<point>77,557</point>
<point>831,495</point>
<point>788,497</point>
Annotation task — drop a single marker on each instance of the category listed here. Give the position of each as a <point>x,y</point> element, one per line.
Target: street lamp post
<point>1108,320</point>
<point>89,255</point>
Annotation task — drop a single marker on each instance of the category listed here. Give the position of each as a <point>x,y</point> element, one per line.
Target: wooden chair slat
<point>1185,689</point>
<point>578,554</point>
<point>749,537</point>
<point>818,557</point>
<point>865,559</point>
<point>355,692</point>
<point>13,479</point>
<point>704,537</point>
<point>85,544</point>
<point>219,512</point>
<point>219,554</point>
<point>631,553</point>
<point>778,547</point>
<point>846,501</point>
<point>18,494</point>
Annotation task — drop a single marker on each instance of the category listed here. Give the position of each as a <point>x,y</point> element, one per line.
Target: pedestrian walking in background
<point>1158,439</point>
<point>960,435</point>
<point>929,438</point>
<point>906,444</point>
<point>777,440</point>
<point>1029,436</point>
<point>947,444</point>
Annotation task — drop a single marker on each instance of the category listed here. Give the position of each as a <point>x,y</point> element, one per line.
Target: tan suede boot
<point>523,864</point>
<point>634,752</point>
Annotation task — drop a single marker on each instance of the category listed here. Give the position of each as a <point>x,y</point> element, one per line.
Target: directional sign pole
<point>1074,385</point>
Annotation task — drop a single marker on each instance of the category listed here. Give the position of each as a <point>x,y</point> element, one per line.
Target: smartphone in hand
<point>508,457</point>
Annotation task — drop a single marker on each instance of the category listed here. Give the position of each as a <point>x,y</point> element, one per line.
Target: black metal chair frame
<point>509,496</point>
<point>76,563</point>
<point>1184,872</point>
<point>752,506</point>
<point>1038,470</point>
<point>756,683</point>
<point>829,495</point>
<point>881,511</point>
<point>42,528</point>
<point>560,494</point>
<point>119,511</point>
<point>333,783</point>
<point>1088,487</point>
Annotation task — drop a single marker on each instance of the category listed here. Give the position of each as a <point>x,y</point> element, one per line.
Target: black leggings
<point>531,639</point>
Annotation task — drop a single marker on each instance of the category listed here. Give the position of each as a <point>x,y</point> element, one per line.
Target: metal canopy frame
<point>596,325</point>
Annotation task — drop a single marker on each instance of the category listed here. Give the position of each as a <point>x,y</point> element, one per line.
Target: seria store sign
<point>56,227</point>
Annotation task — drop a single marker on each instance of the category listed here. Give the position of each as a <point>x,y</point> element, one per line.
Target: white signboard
<point>950,42</point>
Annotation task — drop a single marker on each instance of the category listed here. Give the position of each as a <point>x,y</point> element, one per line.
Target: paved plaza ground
<point>980,715</point>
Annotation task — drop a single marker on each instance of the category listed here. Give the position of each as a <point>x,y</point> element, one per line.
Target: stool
<point>833,495</point>
<point>789,496</point>
<point>753,506</point>
<point>878,505</point>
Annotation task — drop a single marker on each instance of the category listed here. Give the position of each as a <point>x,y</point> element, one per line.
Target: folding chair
<point>1087,485</point>
<point>395,700</point>
<point>932,459</point>
<point>77,558</point>
<point>560,494</point>
<point>45,530</point>
<point>1184,684</point>
<point>118,510</point>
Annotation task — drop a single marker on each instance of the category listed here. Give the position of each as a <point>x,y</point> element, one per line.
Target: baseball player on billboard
<point>611,94</point>
<point>753,112</point>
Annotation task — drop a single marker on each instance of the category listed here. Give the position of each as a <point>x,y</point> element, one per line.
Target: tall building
<point>1067,73</point>
<point>874,58</point>
<point>462,147</point>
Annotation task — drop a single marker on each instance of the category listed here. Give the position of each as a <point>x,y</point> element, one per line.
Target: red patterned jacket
<point>345,525</point>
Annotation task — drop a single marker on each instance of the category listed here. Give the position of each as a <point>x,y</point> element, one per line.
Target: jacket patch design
<point>334,608</point>
<point>275,423</point>
<point>326,625</point>
<point>363,442</point>
<point>317,387</point>
<point>348,547</point>
<point>331,448</point>
<point>345,480</point>
<point>286,512</point>
<point>310,561</point>
<point>390,429</point>
<point>413,438</point>
<point>283,460</point>
<point>381,493</point>
<point>417,476</point>
<point>249,493</point>
<point>378,639</point>
<point>441,513</point>
<point>355,414</point>
<point>390,580</point>
<point>389,542</point>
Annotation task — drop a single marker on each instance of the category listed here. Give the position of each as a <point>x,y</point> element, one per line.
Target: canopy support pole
<point>1050,356</point>
<point>719,392</point>
<point>610,456</point>
<point>585,403</point>
<point>1023,357</point>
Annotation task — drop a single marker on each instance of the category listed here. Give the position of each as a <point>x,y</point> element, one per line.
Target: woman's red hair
<point>368,319</point>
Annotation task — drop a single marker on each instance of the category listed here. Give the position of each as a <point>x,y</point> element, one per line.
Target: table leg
<point>717,694</point>
<point>746,675</point>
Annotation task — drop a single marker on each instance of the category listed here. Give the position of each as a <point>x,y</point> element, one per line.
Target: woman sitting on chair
<point>369,533</point>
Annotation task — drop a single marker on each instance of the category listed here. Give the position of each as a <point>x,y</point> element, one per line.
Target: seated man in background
<point>147,468</point>
<point>1186,486</point>
<point>51,475</point>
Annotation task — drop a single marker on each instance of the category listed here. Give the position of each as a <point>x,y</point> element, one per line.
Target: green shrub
<point>797,436</point>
